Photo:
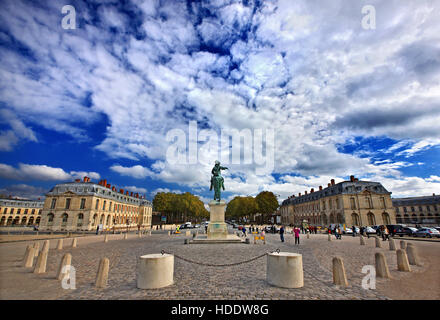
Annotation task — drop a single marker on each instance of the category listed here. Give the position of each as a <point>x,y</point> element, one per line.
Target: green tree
<point>267,203</point>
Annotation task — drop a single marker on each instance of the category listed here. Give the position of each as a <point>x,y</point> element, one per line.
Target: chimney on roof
<point>320,188</point>
<point>352,178</point>
<point>131,194</point>
<point>293,196</point>
<point>126,193</point>
<point>305,192</point>
<point>121,191</point>
<point>108,186</point>
<point>77,180</point>
<point>137,195</point>
<point>113,188</point>
<point>104,183</point>
<point>85,179</point>
<point>332,181</point>
<point>312,190</point>
<point>356,179</point>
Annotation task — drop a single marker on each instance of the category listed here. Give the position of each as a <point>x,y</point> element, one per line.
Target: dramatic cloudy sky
<point>99,100</point>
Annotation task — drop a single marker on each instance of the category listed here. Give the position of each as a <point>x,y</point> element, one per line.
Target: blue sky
<point>100,99</point>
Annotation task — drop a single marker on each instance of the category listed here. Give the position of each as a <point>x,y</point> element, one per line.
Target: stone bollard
<point>66,261</point>
<point>247,241</point>
<point>413,256</point>
<point>46,246</point>
<point>186,241</point>
<point>102,275</point>
<point>381,266</point>
<point>155,271</point>
<point>308,236</point>
<point>329,237</point>
<point>74,243</point>
<point>169,233</point>
<point>60,244</point>
<point>37,248</point>
<point>125,236</point>
<point>106,238</point>
<point>29,256</point>
<point>38,233</point>
<point>40,267</point>
<point>149,233</point>
<point>402,261</point>
<point>139,235</point>
<point>403,244</point>
<point>187,233</point>
<point>339,276</point>
<point>392,245</point>
<point>285,270</point>
<point>362,240</point>
<point>378,243</point>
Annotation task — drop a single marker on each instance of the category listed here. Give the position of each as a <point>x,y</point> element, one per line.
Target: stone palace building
<point>20,212</point>
<point>353,202</point>
<point>83,205</point>
<point>418,210</point>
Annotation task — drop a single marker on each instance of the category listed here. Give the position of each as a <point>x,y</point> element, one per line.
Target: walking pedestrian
<point>296,232</point>
<point>282,233</point>
<point>354,230</point>
<point>97,229</point>
<point>244,231</point>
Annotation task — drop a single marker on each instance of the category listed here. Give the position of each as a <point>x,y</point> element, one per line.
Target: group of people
<point>296,231</point>
<point>336,230</point>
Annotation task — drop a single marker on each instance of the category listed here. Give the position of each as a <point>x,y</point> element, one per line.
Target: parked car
<point>406,231</point>
<point>370,230</point>
<point>437,228</point>
<point>347,231</point>
<point>394,228</point>
<point>427,232</point>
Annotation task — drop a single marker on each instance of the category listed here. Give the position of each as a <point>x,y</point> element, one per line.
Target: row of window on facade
<point>109,193</point>
<point>368,205</point>
<point>413,209</point>
<point>80,220</point>
<point>116,207</point>
<point>421,218</point>
<point>16,221</point>
<point>26,211</point>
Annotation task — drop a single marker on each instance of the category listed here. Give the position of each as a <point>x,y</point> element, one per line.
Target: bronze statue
<point>217,180</point>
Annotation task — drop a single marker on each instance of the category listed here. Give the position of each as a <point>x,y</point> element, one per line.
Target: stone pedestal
<point>217,228</point>
<point>155,271</point>
<point>285,270</point>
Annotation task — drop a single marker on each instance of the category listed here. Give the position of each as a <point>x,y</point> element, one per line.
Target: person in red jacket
<point>296,232</point>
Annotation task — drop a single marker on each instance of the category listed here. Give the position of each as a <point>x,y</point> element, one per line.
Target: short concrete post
<point>402,244</point>
<point>186,241</point>
<point>381,266</point>
<point>339,276</point>
<point>402,261</point>
<point>378,242</point>
<point>308,235</point>
<point>362,240</point>
<point>329,237</point>
<point>413,256</point>
<point>106,238</point>
<point>65,261</point>
<point>187,233</point>
<point>46,246</point>
<point>155,271</point>
<point>139,235</point>
<point>102,275</point>
<point>28,261</point>
<point>74,243</point>
<point>392,245</point>
<point>36,248</point>
<point>60,244</point>
<point>125,236</point>
<point>40,267</point>
<point>149,233</point>
<point>247,241</point>
<point>285,270</point>
<point>169,233</point>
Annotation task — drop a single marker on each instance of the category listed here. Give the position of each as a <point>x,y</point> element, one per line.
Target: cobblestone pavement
<point>191,281</point>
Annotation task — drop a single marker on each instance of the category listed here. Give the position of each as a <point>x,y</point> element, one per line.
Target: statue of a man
<point>217,181</point>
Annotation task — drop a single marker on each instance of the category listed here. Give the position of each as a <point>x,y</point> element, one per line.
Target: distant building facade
<point>354,202</point>
<point>83,205</point>
<point>20,212</point>
<point>418,210</point>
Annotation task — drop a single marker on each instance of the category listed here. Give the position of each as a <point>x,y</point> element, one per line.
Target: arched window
<point>386,218</point>
<point>107,223</point>
<point>64,217</point>
<point>413,218</point>
<point>23,221</point>
<point>355,219</point>
<point>31,221</point>
<point>102,219</point>
<point>9,222</point>
<point>95,219</point>
<point>79,223</point>
<point>332,218</point>
<point>406,218</point>
<point>2,221</point>
<point>371,219</point>
<point>421,218</point>
<point>399,218</point>
<point>16,221</point>
<point>37,221</point>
